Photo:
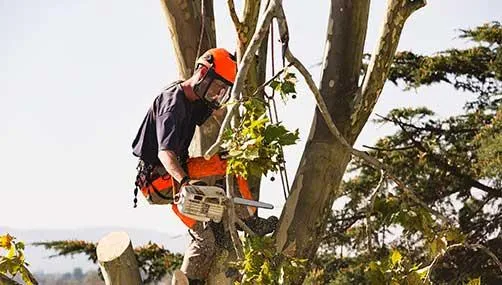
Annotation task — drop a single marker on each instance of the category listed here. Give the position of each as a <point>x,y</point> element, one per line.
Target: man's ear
<point>201,70</point>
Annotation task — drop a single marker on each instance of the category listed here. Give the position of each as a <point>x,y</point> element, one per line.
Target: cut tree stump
<point>117,260</point>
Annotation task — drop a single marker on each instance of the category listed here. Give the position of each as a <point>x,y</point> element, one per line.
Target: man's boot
<point>261,226</point>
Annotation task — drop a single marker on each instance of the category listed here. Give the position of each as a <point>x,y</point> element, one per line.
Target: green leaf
<point>11,253</point>
<point>395,257</point>
<point>413,278</point>
<point>476,281</point>
<point>288,87</point>
<point>438,246</point>
<point>422,272</point>
<point>274,85</point>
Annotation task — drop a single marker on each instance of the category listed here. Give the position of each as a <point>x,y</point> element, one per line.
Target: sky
<point>77,77</point>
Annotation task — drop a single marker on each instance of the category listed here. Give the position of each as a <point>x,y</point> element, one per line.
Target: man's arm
<point>171,164</point>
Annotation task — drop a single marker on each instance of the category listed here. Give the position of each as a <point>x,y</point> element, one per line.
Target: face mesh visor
<point>217,93</point>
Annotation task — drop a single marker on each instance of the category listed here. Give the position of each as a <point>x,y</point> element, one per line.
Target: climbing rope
<point>274,118</point>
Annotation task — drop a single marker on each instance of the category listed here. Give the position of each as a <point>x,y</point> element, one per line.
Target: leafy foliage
<point>153,260</point>
<point>13,262</point>
<point>263,265</point>
<point>489,141</point>
<point>285,85</point>
<point>255,145</point>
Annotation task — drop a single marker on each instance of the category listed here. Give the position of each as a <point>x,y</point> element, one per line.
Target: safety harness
<point>159,187</point>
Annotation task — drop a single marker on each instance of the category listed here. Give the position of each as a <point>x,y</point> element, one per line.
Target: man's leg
<point>199,254</point>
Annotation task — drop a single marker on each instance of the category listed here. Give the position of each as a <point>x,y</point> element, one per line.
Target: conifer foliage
<point>454,165</point>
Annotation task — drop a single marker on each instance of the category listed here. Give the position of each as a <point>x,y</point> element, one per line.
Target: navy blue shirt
<point>169,125</point>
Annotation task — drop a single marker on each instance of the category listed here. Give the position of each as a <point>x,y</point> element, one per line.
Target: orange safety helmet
<point>214,87</point>
<point>223,63</point>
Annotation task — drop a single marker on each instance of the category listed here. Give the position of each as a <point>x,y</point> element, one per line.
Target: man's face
<point>218,92</point>
<point>212,88</point>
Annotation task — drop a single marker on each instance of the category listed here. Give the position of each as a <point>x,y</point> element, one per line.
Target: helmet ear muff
<point>209,58</point>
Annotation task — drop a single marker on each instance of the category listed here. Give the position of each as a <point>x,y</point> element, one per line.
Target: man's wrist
<point>184,180</point>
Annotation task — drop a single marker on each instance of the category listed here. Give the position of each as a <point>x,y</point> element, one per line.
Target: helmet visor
<point>213,89</point>
<point>217,94</point>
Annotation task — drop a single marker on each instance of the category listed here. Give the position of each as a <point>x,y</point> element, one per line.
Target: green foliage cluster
<point>13,263</point>
<point>285,85</point>
<point>153,260</point>
<point>489,141</point>
<point>70,248</point>
<point>156,261</point>
<point>476,69</point>
<point>255,145</point>
<point>263,265</point>
<point>452,164</point>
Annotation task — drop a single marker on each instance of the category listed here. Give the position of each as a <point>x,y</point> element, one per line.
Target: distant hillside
<point>39,259</point>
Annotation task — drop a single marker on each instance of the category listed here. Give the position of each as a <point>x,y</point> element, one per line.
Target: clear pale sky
<point>76,78</point>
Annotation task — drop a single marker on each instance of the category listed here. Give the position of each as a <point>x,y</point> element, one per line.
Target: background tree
<point>153,260</point>
<point>454,166</point>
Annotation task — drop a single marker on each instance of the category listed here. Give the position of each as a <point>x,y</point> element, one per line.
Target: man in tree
<point>162,145</point>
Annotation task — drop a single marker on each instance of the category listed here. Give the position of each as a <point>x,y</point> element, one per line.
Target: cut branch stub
<point>117,260</point>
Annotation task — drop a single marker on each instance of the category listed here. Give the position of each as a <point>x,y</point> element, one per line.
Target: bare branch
<point>261,87</point>
<point>7,281</point>
<point>231,218</point>
<point>233,15</point>
<point>472,246</point>
<point>455,170</point>
<point>244,65</point>
<point>388,149</point>
<point>398,12</point>
<point>371,207</point>
<point>245,227</point>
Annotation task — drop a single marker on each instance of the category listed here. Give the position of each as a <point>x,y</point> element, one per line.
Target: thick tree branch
<point>183,18</point>
<point>398,12</point>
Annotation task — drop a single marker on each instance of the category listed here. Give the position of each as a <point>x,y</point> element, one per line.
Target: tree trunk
<point>324,159</point>
<point>117,260</point>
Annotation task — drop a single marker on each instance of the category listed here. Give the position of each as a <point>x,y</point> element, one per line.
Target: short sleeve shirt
<point>169,125</point>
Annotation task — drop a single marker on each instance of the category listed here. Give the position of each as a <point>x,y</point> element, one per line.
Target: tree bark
<point>117,260</point>
<point>184,19</point>
<point>324,159</point>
